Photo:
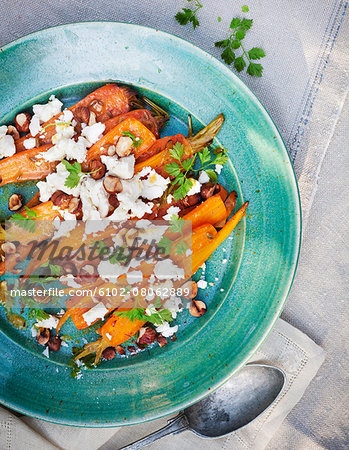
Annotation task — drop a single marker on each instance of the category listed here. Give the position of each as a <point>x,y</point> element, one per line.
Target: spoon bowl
<point>232,406</point>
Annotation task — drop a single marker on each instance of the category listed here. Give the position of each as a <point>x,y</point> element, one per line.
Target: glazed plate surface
<point>251,273</point>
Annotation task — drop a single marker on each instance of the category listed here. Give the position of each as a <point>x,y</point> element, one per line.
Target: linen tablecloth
<point>304,88</point>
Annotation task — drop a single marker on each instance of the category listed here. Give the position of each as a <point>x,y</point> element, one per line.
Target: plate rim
<point>298,221</point>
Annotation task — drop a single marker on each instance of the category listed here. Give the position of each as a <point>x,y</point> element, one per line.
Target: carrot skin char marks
<point>106,102</point>
<point>23,166</point>
<point>134,127</point>
<point>142,115</point>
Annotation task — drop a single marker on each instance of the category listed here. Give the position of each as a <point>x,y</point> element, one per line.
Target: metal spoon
<point>232,406</point>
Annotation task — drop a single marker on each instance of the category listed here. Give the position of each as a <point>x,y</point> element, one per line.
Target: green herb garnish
<point>75,174</point>
<point>156,318</point>
<point>234,42</point>
<point>27,223</point>
<point>245,9</point>
<point>136,142</point>
<point>37,314</point>
<point>189,15</point>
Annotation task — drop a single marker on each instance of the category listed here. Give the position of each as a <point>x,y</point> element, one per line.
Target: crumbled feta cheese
<point>34,126</point>
<point>66,148</point>
<point>172,211</point>
<point>7,143</point>
<point>94,199</point>
<point>47,111</point>
<point>93,133</point>
<point>66,116</point>
<point>203,178</point>
<point>170,198</point>
<point>154,185</point>
<point>109,336</point>
<point>63,132</point>
<point>196,187</point>
<point>174,305</point>
<point>135,276</point>
<point>122,168</point>
<point>95,313</point>
<point>219,168</point>
<point>110,272</point>
<point>69,280</point>
<point>202,284</point>
<point>29,143</point>
<point>166,269</point>
<point>56,181</point>
<point>46,352</point>
<point>166,330</point>
<point>49,323</point>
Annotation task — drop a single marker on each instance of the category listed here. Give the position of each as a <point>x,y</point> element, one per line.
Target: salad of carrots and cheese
<point>103,159</point>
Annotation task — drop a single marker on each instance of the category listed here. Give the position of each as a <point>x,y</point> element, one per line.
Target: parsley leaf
<point>75,173</point>
<point>207,159</point>
<point>27,223</point>
<point>37,314</point>
<point>136,141</point>
<point>234,42</point>
<point>176,224</point>
<point>165,243</point>
<point>181,247</point>
<point>188,15</point>
<point>245,9</point>
<point>156,318</point>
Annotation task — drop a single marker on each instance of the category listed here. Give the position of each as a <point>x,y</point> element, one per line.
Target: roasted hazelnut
<point>124,146</point>
<point>97,169</point>
<point>8,248</point>
<point>96,106</point>
<point>197,308</point>
<point>109,353</point>
<point>61,199</point>
<point>193,289</point>
<point>120,350</point>
<point>74,205</point>
<point>162,341</point>
<point>12,131</point>
<point>112,184</point>
<point>92,119</point>
<point>132,349</point>
<point>208,190</point>
<point>82,114</point>
<point>113,201</point>
<point>54,343</point>
<point>69,268</point>
<point>43,336</point>
<point>15,202</point>
<point>146,336</point>
<point>22,122</point>
<point>111,150</point>
<point>88,273</point>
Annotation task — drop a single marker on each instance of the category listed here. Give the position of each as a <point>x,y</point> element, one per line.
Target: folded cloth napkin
<point>285,347</point>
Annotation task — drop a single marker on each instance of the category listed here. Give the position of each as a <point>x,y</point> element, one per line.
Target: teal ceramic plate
<point>251,273</point>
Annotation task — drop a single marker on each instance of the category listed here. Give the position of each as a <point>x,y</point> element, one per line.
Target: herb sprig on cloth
<point>189,15</point>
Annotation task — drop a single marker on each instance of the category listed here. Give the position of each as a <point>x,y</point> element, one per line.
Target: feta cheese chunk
<point>172,211</point>
<point>7,143</point>
<point>136,276</point>
<point>196,187</point>
<point>95,313</point>
<point>55,182</point>
<point>202,284</point>
<point>29,143</point>
<point>154,185</point>
<point>34,126</point>
<point>49,323</point>
<point>166,330</point>
<point>66,148</point>
<point>122,168</point>
<point>94,199</point>
<point>47,111</point>
<point>166,269</point>
<point>219,168</point>
<point>93,133</point>
<point>203,178</point>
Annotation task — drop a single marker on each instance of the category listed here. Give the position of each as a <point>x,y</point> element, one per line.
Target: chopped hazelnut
<point>15,202</point>
<point>109,353</point>
<point>12,131</point>
<point>22,122</point>
<point>98,169</point>
<point>112,184</point>
<point>197,308</point>
<point>43,336</point>
<point>124,146</point>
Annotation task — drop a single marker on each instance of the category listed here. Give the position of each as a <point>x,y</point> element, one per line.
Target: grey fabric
<point>304,88</point>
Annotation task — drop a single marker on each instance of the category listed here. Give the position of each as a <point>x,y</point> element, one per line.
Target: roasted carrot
<point>136,128</point>
<point>114,332</point>
<point>25,166</point>
<point>210,211</point>
<point>162,156</point>
<point>200,257</point>
<point>230,203</point>
<point>164,143</point>
<point>106,102</point>
<point>142,115</point>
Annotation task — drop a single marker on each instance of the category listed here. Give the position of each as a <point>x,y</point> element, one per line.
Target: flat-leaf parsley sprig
<point>136,141</point>
<point>156,317</point>
<point>179,170</point>
<point>75,174</point>
<point>234,42</point>
<point>189,15</point>
<point>27,223</point>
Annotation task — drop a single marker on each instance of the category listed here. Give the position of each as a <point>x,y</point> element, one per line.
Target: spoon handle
<point>174,426</point>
